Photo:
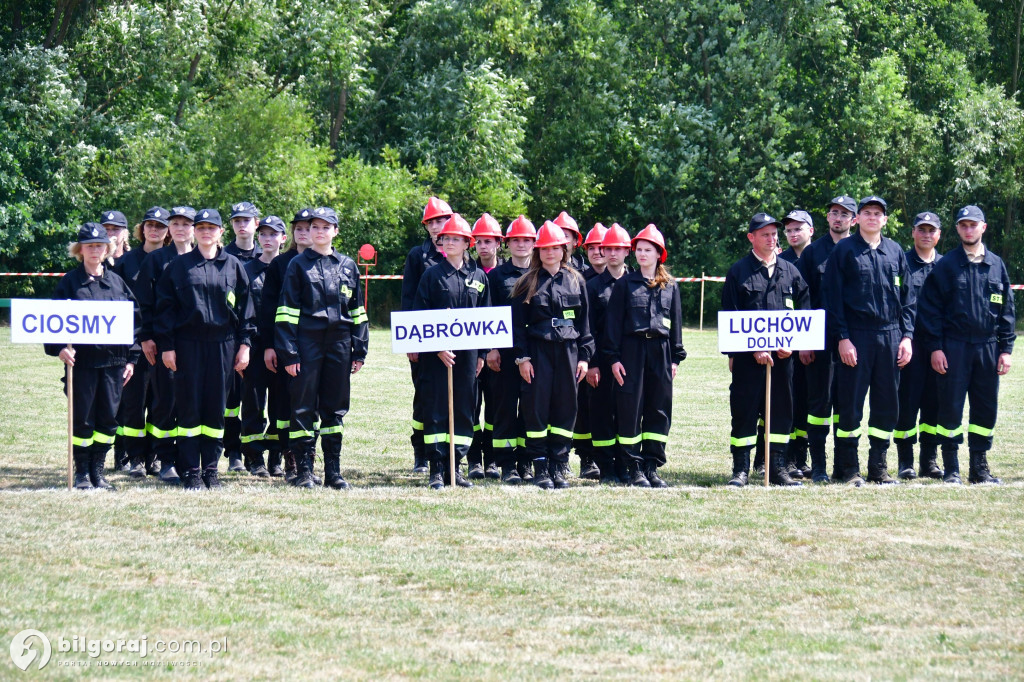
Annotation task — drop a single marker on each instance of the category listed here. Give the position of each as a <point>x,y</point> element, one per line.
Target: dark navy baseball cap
<point>114,218</point>
<point>873,199</point>
<point>183,211</point>
<point>325,213</point>
<point>798,216</point>
<point>844,201</point>
<point>244,209</point>
<point>209,215</point>
<point>928,218</point>
<point>273,222</point>
<point>970,213</point>
<point>761,220</point>
<point>92,233</point>
<point>303,215</point>
<point>157,215</point>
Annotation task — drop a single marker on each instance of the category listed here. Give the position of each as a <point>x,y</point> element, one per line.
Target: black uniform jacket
<point>256,271</point>
<point>634,308</point>
<point>967,302</point>
<point>419,259</point>
<point>320,293</point>
<point>203,300</point>
<point>442,287</point>
<point>273,280</point>
<point>917,273</point>
<point>153,267</point>
<point>558,311</point>
<point>129,266</point>
<point>866,289</point>
<point>748,287</point>
<point>78,285</point>
<point>812,263</point>
<point>599,291</point>
<point>246,255</point>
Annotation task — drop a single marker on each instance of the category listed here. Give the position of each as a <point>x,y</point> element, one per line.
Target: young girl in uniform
<point>553,346</point>
<point>322,336</point>
<point>644,347</point>
<point>204,330</point>
<point>98,371</point>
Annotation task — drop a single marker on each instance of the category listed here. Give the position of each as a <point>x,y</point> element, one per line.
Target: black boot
<point>846,467</point>
<point>96,471</point>
<point>459,479</point>
<point>979,472</point>
<point>819,467</point>
<point>635,475</point>
<point>651,474</point>
<point>589,469</point>
<point>905,457</point>
<point>234,461</point>
<point>290,467</point>
<point>120,456</point>
<point>929,465</point>
<point>192,479</point>
<point>332,472</point>
<point>211,479</point>
<point>607,475</point>
<point>541,477</point>
<point>526,470</point>
<point>419,463</point>
<point>304,471</point>
<point>798,456</point>
<point>436,479</point>
<point>491,471</point>
<point>476,470</point>
<point>138,469</point>
<point>951,464</point>
<point>740,469</point>
<point>82,466</point>
<point>777,473</point>
<point>759,461</point>
<point>510,475</point>
<point>878,468</point>
<point>274,467</point>
<point>557,474</point>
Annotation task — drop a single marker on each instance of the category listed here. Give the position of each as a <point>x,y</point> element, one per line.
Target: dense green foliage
<point>692,114</point>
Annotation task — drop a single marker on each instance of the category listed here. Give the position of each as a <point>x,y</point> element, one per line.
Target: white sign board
<point>749,331</point>
<point>45,321</point>
<point>425,331</point>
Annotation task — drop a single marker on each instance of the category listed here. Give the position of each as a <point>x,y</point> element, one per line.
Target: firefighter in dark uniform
<point>435,214</point>
<point>643,331</point>
<point>553,347</point>
<point>455,282</point>
<point>116,226</point>
<point>136,398</point>
<point>918,383</point>
<point>760,281</point>
<point>583,440</point>
<point>967,314</point>
<point>243,219</point>
<point>820,366</point>
<point>204,331</point>
<point>162,422</point>
<point>572,232</point>
<point>799,228</point>
<point>257,400</point>
<point>281,405</point>
<point>322,338</point>
<point>504,384</point>
<point>615,247</point>
<point>99,371</point>
<point>869,312</point>
<point>487,233</point>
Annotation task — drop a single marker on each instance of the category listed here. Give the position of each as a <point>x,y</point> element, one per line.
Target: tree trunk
<point>59,25</point>
<point>192,70</point>
<point>339,117</point>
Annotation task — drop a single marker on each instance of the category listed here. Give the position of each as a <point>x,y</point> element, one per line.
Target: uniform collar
<point>312,254</point>
<point>449,269</point>
<point>85,278</point>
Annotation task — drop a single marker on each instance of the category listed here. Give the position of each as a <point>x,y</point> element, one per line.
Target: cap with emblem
<point>325,213</point>
<point>927,218</point>
<point>970,213</point>
<point>303,215</point>
<point>209,215</point>
<point>92,233</point>
<point>184,212</point>
<point>244,209</point>
<point>844,201</point>
<point>157,215</point>
<point>114,218</point>
<point>273,222</point>
<point>873,199</point>
<point>798,216</point>
<point>761,220</point>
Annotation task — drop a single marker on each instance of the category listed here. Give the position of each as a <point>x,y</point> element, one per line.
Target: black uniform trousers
<point>643,404</point>
<point>416,439</point>
<point>322,387</point>
<point>971,372</point>
<point>201,386</point>
<point>232,416</point>
<point>747,398</point>
<point>257,407</point>
<point>97,394</point>
<point>798,437</point>
<point>279,404</point>
<point>162,420</point>
<point>876,369</point>
<point>502,390</point>
<point>548,403</point>
<point>433,389</point>
<point>820,379</point>
<point>583,437</point>
<point>481,451</point>
<point>602,420</point>
<point>131,417</point>
<point>918,393</point>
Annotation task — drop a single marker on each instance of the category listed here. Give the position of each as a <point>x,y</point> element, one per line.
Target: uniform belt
<point>648,334</point>
<point>556,322</point>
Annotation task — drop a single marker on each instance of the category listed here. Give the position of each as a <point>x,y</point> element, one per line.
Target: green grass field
<point>392,580</point>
